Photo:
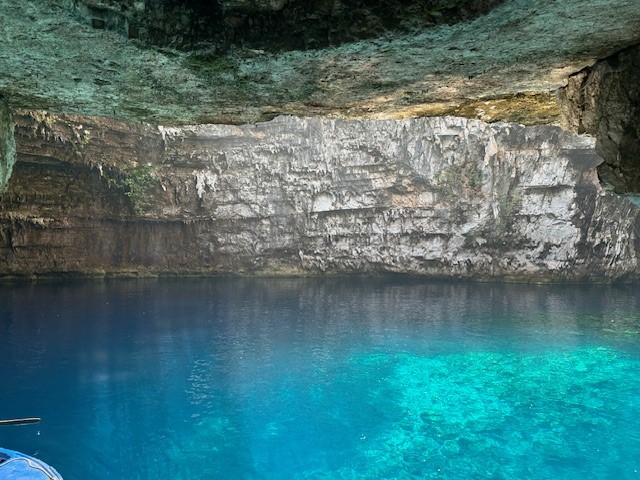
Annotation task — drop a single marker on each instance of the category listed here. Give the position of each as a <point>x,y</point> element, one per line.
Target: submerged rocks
<point>446,197</point>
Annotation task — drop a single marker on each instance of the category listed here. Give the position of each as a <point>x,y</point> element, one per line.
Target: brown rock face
<point>445,197</point>
<point>604,101</point>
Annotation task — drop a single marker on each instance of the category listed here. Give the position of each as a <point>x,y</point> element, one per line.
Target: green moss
<point>508,206</point>
<point>460,179</point>
<point>138,183</point>
<point>81,141</point>
<point>212,67</point>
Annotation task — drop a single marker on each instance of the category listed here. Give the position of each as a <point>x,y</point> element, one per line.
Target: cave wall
<point>604,101</point>
<point>445,197</point>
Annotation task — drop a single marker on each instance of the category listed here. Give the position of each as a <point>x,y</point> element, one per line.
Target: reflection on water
<point>337,378</point>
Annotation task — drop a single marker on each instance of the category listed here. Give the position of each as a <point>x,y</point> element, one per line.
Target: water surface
<point>323,379</point>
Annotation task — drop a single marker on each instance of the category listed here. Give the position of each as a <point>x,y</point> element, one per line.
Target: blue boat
<point>16,465</point>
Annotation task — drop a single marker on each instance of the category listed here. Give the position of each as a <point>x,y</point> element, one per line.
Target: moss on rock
<point>49,61</point>
<point>7,145</point>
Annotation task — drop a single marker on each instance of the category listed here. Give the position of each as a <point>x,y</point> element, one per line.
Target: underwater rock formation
<point>446,197</point>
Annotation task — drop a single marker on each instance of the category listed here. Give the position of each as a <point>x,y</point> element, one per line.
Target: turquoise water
<point>323,379</point>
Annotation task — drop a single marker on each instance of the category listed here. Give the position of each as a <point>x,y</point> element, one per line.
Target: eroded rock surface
<point>445,197</point>
<point>604,100</point>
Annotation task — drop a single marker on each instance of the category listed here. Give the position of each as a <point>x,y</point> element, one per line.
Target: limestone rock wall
<point>446,197</point>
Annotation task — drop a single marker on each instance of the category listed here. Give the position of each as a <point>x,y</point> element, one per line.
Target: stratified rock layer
<point>444,197</point>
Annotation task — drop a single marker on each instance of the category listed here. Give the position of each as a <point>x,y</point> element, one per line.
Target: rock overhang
<point>504,65</point>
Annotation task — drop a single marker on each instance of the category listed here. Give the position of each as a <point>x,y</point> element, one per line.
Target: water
<point>323,379</point>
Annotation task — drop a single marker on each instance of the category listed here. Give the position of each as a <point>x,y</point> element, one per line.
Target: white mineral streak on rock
<point>205,182</point>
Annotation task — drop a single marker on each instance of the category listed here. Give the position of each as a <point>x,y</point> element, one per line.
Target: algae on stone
<point>7,145</point>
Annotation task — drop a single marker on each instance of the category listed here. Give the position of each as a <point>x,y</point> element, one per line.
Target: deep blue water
<point>323,379</point>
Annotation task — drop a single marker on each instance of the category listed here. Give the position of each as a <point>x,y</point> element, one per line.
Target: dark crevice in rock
<point>291,24</point>
<point>271,25</point>
<point>181,24</point>
<point>604,100</point>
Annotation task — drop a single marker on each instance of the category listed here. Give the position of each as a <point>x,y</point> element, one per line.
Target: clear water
<point>323,379</point>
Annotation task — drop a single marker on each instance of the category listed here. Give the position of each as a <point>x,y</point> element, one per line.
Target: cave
<point>481,140</point>
<point>319,239</point>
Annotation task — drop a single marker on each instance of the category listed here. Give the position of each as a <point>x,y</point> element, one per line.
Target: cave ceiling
<point>236,61</point>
